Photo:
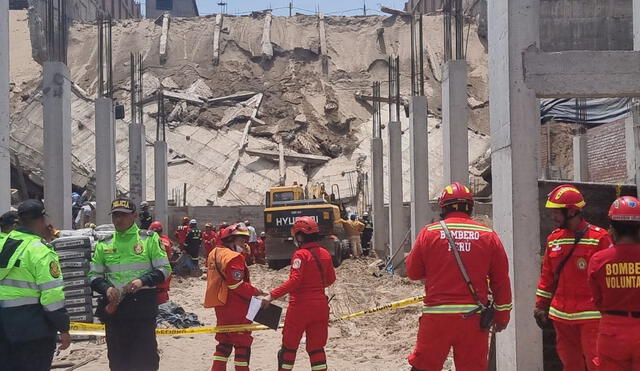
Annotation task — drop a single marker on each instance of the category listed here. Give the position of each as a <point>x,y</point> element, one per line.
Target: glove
<point>542,318</point>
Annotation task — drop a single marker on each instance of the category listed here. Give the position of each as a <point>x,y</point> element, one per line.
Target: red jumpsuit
<point>308,310</point>
<point>259,252</point>
<point>574,315</point>
<point>234,313</point>
<point>163,288</point>
<point>614,275</point>
<point>447,299</point>
<point>208,241</point>
<point>181,235</point>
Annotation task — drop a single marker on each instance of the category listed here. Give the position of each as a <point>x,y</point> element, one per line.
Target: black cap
<point>8,219</point>
<point>31,209</point>
<point>123,205</point>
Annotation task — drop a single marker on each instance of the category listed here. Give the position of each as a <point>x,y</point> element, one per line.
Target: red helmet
<point>223,225</point>
<point>238,229</point>
<point>306,225</point>
<point>156,227</point>
<point>455,193</point>
<point>565,196</point>
<point>625,208</point>
<point>208,225</point>
<point>185,219</point>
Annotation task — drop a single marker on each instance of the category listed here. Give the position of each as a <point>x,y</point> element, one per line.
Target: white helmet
<point>193,221</point>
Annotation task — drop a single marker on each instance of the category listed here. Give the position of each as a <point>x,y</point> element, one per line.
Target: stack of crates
<point>75,261</point>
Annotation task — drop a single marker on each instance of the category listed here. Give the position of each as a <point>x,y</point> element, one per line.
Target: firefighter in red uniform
<point>182,232</point>
<point>563,293</point>
<point>614,275</point>
<point>447,321</point>
<point>165,241</point>
<point>221,228</point>
<point>259,252</point>
<point>308,312</point>
<point>209,237</point>
<point>229,291</point>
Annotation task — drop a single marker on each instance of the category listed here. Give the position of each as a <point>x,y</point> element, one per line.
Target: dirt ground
<point>375,342</point>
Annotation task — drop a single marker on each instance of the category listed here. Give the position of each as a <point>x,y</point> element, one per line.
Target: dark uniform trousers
<point>132,345</point>
<point>34,355</point>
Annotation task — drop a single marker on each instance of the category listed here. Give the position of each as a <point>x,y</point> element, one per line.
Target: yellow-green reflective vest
<point>127,256</point>
<point>29,273</point>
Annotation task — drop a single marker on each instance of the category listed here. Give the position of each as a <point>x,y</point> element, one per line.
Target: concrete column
<point>380,218</point>
<point>161,183</point>
<point>5,159</point>
<point>580,165</point>
<point>56,91</point>
<point>105,159</point>
<point>515,125</point>
<point>454,122</point>
<point>136,163</point>
<point>420,210</point>
<point>397,228</point>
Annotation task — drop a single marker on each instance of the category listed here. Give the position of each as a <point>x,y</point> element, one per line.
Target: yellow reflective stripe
<point>241,363</point>
<point>221,359</point>
<point>460,226</point>
<point>452,308</point>
<point>504,307</point>
<point>319,367</point>
<point>574,316</point>
<point>570,241</point>
<point>544,294</point>
<point>233,287</point>
<point>287,366</point>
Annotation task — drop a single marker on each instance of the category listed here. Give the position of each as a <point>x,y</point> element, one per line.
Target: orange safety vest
<point>217,287</point>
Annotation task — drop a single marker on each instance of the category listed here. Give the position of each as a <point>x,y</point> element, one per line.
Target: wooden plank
<point>230,98</point>
<point>582,74</point>
<point>216,39</point>
<point>282,162</point>
<point>164,37</point>
<point>189,98</point>
<point>392,11</point>
<point>288,155</point>
<point>267,48</point>
<point>323,45</point>
<point>242,146</point>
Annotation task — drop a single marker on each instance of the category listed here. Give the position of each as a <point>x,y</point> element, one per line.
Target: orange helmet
<point>565,196</point>
<point>156,227</point>
<point>306,225</point>
<point>238,229</point>
<point>626,209</point>
<point>455,193</point>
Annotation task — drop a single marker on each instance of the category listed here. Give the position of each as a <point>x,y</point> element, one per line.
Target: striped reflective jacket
<point>31,288</point>
<point>572,301</point>
<point>483,255</point>
<point>127,256</point>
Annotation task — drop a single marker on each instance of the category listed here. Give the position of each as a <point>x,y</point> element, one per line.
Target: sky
<point>329,7</point>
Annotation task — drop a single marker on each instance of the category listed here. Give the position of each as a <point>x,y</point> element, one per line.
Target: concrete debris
<point>216,39</point>
<point>169,84</point>
<point>273,155</point>
<point>164,37</point>
<point>393,11</point>
<point>267,48</point>
<point>316,114</point>
<point>200,88</point>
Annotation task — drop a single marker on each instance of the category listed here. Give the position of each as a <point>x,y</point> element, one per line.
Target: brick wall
<point>606,153</point>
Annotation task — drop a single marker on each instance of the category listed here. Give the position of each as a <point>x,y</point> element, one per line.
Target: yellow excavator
<point>287,203</point>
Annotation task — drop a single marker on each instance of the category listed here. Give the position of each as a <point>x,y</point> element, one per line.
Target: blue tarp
<point>590,111</point>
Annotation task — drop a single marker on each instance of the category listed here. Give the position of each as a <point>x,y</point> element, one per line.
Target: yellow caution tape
<point>390,306</point>
<point>94,329</point>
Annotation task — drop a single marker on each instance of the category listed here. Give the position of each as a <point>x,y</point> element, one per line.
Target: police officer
<point>32,306</point>
<point>125,269</point>
<point>563,293</point>
<point>8,222</point>
<point>448,319</point>
<point>614,275</point>
<point>311,272</point>
<point>145,215</point>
